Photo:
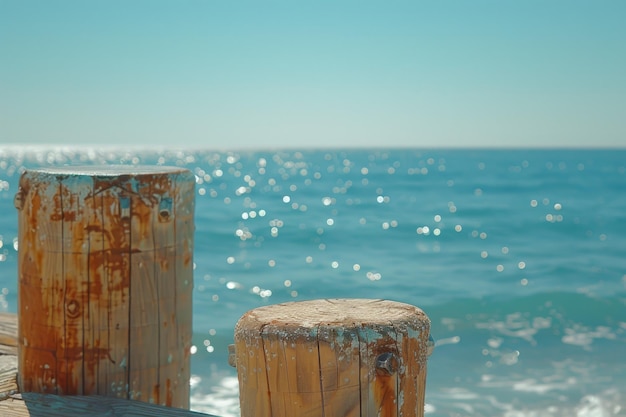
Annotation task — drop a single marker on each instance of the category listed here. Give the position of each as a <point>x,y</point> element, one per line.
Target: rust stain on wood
<point>156,394</point>
<point>168,390</point>
<point>384,388</point>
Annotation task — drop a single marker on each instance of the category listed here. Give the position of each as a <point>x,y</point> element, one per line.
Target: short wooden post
<point>105,282</point>
<point>341,357</point>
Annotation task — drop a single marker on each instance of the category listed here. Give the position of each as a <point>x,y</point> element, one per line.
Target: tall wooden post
<point>341,357</point>
<point>105,282</point>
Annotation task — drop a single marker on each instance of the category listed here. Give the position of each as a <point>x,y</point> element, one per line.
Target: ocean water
<point>517,256</point>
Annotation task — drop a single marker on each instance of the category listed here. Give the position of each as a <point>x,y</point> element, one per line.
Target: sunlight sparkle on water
<point>354,202</point>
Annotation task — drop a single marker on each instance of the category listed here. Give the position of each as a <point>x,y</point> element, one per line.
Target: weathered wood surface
<point>8,355</point>
<point>15,404</point>
<point>49,405</point>
<point>341,357</point>
<point>105,282</point>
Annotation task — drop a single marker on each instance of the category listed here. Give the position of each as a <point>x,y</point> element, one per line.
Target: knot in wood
<point>73,309</point>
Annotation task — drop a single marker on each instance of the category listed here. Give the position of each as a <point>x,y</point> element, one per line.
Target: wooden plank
<point>170,354</point>
<point>46,405</point>
<point>293,370</point>
<point>183,210</point>
<point>96,297</point>
<point>8,358</point>
<point>72,349</point>
<point>161,285</point>
<point>143,362</point>
<point>340,363</point>
<point>8,376</point>
<point>109,299</point>
<point>382,387</point>
<point>411,338</point>
<point>144,346</point>
<point>276,368</point>
<point>41,283</point>
<point>251,368</point>
<point>8,334</point>
<point>372,341</point>
<point>306,396</point>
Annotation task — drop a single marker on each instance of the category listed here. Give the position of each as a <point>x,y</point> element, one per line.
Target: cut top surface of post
<point>109,170</point>
<point>351,312</point>
<point>146,180</point>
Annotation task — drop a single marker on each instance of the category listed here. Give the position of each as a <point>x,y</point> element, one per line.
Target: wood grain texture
<point>49,405</point>
<point>319,357</point>
<point>105,282</point>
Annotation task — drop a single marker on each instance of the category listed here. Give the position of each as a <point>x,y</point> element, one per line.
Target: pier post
<point>335,357</point>
<point>105,282</point>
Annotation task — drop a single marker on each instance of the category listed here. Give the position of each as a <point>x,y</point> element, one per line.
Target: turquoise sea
<point>517,256</point>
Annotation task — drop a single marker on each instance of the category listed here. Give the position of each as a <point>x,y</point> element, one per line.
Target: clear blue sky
<point>235,74</point>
